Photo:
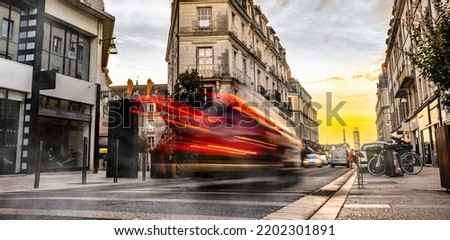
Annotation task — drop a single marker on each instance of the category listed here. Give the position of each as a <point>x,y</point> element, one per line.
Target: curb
<point>324,204</point>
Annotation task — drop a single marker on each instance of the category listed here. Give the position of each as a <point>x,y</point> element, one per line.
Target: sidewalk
<point>60,180</point>
<point>411,197</point>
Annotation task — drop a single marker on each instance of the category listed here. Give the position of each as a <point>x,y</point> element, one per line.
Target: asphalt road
<point>162,199</point>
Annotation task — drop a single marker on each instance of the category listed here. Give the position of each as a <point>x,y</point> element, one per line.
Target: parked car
<point>324,159</point>
<point>339,157</point>
<point>312,160</point>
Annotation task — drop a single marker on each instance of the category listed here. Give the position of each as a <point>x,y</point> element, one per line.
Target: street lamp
<point>112,49</point>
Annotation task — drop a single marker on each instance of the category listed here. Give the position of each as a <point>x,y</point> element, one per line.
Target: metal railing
<point>207,70</point>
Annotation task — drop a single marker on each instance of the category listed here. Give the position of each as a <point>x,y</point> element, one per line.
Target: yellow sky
<point>350,104</point>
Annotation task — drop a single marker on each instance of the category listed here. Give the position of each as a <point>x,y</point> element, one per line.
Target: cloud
<point>322,4</point>
<point>366,76</point>
<point>327,37</point>
<point>335,79</point>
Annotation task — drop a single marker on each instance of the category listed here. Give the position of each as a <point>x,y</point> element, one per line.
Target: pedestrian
<point>351,157</point>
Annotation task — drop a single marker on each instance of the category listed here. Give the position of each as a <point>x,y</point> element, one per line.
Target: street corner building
<point>53,59</point>
<point>235,51</point>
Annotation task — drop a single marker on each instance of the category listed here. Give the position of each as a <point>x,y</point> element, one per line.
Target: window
<point>151,107</point>
<point>57,45</point>
<point>70,51</point>
<point>244,66</point>
<point>7,28</point>
<point>151,126</point>
<point>204,15</point>
<point>234,58</point>
<point>151,141</point>
<point>204,60</point>
<point>80,53</point>
<point>241,3</point>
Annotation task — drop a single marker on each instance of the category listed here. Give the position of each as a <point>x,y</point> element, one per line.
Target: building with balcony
<point>231,45</point>
<point>415,110</point>
<point>382,108</point>
<point>304,115</point>
<point>53,62</point>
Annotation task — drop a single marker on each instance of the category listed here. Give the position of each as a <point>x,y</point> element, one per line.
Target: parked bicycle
<point>410,162</point>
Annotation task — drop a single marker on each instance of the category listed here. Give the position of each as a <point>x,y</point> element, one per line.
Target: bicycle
<point>410,162</point>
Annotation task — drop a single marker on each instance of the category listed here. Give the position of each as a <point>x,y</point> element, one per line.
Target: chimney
<point>129,88</point>
<point>149,87</point>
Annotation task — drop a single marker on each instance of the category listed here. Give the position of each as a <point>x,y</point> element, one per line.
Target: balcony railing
<point>273,95</point>
<point>240,76</point>
<point>405,75</point>
<point>204,25</point>
<point>261,90</point>
<point>207,70</point>
<point>404,78</point>
<point>272,69</point>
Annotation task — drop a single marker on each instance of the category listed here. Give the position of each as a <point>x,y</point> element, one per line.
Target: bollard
<point>84,172</point>
<point>143,166</point>
<point>116,162</point>
<point>37,175</point>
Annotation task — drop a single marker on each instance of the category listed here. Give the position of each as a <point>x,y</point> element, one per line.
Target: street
<point>175,199</point>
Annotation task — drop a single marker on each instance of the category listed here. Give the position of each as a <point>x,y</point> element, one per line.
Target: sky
<point>335,48</point>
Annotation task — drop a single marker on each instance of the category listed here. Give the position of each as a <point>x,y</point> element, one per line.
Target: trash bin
<point>443,154</point>
<point>392,160</point>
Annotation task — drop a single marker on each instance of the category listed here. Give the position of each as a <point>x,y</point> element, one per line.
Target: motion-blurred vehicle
<point>312,160</point>
<point>339,157</point>
<point>228,134</point>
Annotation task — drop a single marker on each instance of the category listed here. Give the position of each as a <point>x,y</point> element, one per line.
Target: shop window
<point>52,103</point>
<point>62,142</point>
<point>64,105</point>
<point>42,101</point>
<point>75,107</point>
<point>11,114</point>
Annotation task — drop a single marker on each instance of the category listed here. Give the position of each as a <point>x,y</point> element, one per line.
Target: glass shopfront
<point>62,127</point>
<point>11,115</point>
<point>62,142</point>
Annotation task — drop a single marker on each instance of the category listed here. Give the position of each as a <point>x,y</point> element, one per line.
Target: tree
<point>188,89</point>
<point>431,49</point>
